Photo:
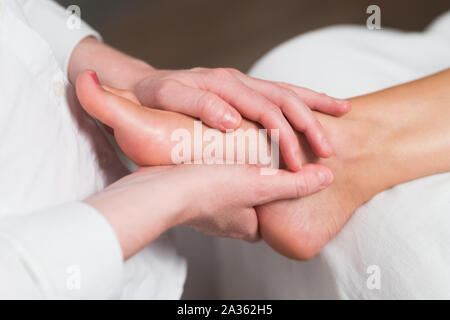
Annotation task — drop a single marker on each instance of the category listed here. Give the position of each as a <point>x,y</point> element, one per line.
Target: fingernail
<point>325,177</point>
<point>348,105</point>
<point>229,121</point>
<point>95,78</point>
<point>345,103</point>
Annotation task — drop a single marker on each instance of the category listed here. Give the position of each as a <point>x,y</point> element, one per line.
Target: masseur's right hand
<point>215,199</point>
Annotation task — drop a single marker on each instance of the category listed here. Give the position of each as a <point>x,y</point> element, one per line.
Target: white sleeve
<point>50,20</point>
<point>66,252</point>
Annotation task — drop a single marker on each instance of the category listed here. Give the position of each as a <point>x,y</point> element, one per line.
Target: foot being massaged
<point>371,152</point>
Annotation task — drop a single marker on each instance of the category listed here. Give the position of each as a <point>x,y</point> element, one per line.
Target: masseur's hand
<point>217,96</point>
<point>217,200</point>
<point>220,96</point>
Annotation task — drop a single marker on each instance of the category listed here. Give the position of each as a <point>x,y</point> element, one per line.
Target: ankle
<point>357,143</point>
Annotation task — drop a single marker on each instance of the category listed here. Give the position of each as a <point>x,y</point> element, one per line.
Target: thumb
<point>109,106</point>
<point>292,185</point>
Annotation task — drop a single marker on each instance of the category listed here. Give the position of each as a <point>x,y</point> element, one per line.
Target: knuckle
<point>262,192</point>
<point>302,186</point>
<point>233,70</point>
<point>222,73</point>
<point>205,104</point>
<point>312,129</point>
<point>249,231</point>
<point>270,112</point>
<point>289,95</point>
<point>300,126</point>
<point>262,189</point>
<point>315,125</point>
<point>273,110</point>
<point>298,105</point>
<point>290,100</point>
<point>250,171</point>
<point>163,89</point>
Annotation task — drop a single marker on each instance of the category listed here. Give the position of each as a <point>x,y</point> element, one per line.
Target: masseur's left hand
<point>217,96</point>
<point>220,96</point>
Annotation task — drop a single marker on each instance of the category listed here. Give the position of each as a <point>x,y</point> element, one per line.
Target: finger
<point>127,94</point>
<point>153,169</point>
<point>319,101</point>
<point>290,185</point>
<point>254,106</point>
<point>299,115</point>
<point>104,105</point>
<point>246,225</point>
<point>315,101</point>
<point>207,106</point>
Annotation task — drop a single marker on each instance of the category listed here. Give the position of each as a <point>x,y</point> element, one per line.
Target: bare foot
<point>300,228</point>
<point>296,228</point>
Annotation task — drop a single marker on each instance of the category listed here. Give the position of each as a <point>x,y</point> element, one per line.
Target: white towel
<point>401,236</point>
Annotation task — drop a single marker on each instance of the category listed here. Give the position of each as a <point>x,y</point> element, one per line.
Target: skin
<point>217,96</point>
<point>142,205</point>
<point>372,152</point>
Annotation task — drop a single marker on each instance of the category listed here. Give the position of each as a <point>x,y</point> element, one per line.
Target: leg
<point>402,230</point>
<point>373,152</point>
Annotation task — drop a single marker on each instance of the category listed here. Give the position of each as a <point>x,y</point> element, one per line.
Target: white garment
<point>52,155</point>
<point>404,232</point>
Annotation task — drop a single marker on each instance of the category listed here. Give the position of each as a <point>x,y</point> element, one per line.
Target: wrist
<point>137,71</point>
<point>113,67</point>
<point>136,216</point>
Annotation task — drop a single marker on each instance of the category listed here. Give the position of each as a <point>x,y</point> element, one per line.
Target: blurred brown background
<point>212,33</point>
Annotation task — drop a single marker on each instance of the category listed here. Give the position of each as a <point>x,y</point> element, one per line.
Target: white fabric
<point>405,231</point>
<point>52,155</point>
<point>52,255</point>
